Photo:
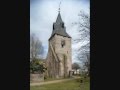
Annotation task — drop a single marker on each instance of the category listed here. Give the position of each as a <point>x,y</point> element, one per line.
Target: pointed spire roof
<point>59,19</point>
<point>59,28</point>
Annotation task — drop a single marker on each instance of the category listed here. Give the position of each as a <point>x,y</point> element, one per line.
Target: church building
<point>59,57</point>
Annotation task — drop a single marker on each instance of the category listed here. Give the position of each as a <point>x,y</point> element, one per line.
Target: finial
<point>59,7</point>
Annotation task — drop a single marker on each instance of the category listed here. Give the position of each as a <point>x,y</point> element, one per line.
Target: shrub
<point>37,67</point>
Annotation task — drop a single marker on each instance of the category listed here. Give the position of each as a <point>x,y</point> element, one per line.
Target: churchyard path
<point>50,82</point>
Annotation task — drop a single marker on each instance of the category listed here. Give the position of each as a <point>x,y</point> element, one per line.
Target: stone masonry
<point>59,57</point>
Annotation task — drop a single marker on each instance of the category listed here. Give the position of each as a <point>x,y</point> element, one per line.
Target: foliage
<point>75,66</point>
<point>36,66</point>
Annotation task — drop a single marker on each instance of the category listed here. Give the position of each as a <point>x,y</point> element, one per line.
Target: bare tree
<point>85,63</point>
<point>84,31</point>
<point>84,36</point>
<point>36,47</point>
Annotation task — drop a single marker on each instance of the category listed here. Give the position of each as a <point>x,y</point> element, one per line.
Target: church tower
<point>59,58</point>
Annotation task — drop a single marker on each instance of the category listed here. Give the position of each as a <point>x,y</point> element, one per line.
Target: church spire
<point>59,19</point>
<point>59,27</point>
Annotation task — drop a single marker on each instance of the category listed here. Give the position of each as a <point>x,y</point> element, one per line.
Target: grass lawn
<point>67,85</point>
<point>52,79</point>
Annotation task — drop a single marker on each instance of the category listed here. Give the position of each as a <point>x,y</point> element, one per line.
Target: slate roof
<point>59,28</point>
<point>59,19</point>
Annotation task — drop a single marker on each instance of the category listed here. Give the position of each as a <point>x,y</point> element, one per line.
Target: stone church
<point>59,57</point>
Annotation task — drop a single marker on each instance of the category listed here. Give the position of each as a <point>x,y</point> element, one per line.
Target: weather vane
<point>59,6</point>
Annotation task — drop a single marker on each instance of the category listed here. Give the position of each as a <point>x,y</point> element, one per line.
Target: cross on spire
<point>59,7</point>
<point>58,26</point>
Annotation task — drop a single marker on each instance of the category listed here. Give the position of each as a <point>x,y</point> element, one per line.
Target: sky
<point>43,14</point>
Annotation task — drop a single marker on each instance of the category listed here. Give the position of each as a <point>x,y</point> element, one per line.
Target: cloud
<point>44,12</point>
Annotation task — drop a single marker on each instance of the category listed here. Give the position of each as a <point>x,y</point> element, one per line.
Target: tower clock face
<point>63,43</point>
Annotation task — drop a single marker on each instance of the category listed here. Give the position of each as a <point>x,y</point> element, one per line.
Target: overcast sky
<point>44,12</point>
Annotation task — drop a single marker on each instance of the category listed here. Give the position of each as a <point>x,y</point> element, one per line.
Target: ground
<point>66,85</point>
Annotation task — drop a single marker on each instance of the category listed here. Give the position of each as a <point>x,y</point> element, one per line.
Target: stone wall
<point>60,52</point>
<point>66,50</point>
<point>36,77</point>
